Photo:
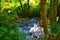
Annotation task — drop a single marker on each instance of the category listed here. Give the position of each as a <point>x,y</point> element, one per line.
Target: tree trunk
<point>28,5</point>
<point>53,10</point>
<point>58,13</point>
<point>44,17</point>
<point>0,7</point>
<point>21,4</point>
<point>28,8</point>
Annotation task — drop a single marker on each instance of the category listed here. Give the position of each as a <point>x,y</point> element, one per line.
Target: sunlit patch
<point>32,1</point>
<point>48,22</point>
<point>57,18</point>
<point>25,0</point>
<point>9,11</point>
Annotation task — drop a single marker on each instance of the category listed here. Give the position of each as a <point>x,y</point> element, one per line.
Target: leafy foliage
<point>8,34</point>
<point>8,26</point>
<point>54,27</point>
<point>11,10</point>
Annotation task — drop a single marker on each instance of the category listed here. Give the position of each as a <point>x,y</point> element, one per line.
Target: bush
<point>54,27</point>
<point>11,33</point>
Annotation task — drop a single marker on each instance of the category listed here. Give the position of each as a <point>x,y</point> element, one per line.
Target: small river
<point>31,26</point>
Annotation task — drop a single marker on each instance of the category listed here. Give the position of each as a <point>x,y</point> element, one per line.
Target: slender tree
<point>0,7</point>
<point>28,5</point>
<point>53,10</point>
<point>21,4</point>
<point>28,8</point>
<point>58,13</point>
<point>44,17</point>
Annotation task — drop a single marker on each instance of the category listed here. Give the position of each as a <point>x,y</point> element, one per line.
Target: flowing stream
<point>31,26</point>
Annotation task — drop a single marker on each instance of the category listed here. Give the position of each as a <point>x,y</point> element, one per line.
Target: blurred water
<point>32,25</point>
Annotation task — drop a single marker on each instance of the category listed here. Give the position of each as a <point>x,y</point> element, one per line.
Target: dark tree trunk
<point>21,4</point>
<point>28,8</point>
<point>44,17</point>
<point>58,13</point>
<point>53,10</point>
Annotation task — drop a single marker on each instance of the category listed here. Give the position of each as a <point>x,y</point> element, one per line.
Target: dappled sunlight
<point>32,2</point>
<point>57,18</point>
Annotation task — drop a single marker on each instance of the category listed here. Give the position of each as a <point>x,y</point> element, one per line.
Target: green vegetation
<point>11,34</point>
<point>13,10</point>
